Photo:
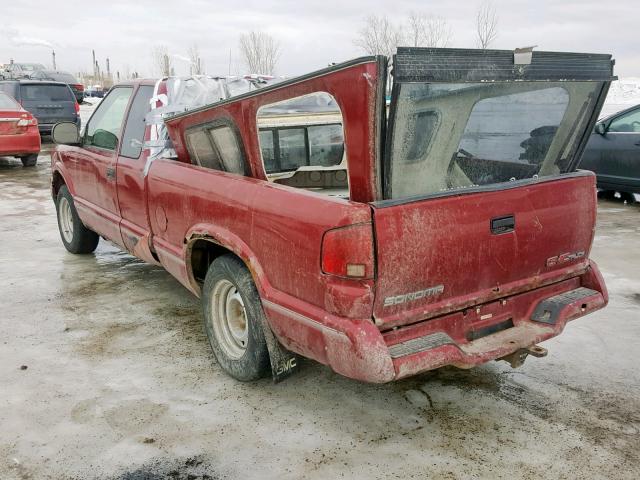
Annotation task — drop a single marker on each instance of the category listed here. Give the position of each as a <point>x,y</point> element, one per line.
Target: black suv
<point>49,102</point>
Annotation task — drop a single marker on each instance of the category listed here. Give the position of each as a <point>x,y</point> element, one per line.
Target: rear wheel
<point>75,236</point>
<point>607,194</point>
<point>233,319</point>
<point>29,160</point>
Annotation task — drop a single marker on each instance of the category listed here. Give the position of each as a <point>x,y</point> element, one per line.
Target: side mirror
<point>65,133</point>
<point>600,128</point>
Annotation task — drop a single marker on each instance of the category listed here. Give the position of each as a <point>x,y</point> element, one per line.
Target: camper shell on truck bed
<point>450,229</point>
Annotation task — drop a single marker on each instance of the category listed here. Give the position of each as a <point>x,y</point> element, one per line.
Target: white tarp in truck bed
<point>174,95</point>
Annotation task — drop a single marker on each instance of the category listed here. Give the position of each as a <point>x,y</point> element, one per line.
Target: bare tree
<point>486,25</point>
<point>197,66</point>
<point>162,61</point>
<point>260,52</point>
<point>379,36</point>
<point>427,31</point>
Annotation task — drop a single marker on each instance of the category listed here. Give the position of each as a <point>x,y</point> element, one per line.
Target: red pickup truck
<point>448,226</point>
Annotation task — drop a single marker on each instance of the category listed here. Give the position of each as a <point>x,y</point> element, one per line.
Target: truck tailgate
<point>439,255</point>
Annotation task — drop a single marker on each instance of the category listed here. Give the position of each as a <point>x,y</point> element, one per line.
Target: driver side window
<point>629,122</point>
<point>103,130</point>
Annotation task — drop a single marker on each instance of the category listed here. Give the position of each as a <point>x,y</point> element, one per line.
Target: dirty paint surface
<point>120,383</point>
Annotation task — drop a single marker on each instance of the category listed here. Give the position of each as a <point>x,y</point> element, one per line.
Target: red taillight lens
<point>348,251</point>
<point>77,108</point>
<point>27,120</point>
<point>79,87</point>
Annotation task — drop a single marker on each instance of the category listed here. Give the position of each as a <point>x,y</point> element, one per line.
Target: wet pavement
<point>105,373</point>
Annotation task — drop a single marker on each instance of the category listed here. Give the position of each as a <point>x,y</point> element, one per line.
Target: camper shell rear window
<point>453,136</point>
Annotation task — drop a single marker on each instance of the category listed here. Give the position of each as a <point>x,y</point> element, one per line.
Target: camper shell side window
<point>216,145</point>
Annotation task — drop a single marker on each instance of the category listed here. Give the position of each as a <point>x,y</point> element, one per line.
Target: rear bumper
<point>19,145</point>
<point>357,349</point>
<point>443,350</point>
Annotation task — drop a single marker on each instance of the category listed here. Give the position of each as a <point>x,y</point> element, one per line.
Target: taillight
<point>79,87</point>
<point>77,107</point>
<point>27,121</point>
<point>348,251</point>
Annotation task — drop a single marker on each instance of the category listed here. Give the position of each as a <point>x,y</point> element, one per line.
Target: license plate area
<point>487,330</point>
<point>487,319</point>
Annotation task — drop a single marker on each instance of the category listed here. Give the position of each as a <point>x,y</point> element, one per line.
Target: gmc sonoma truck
<point>447,227</point>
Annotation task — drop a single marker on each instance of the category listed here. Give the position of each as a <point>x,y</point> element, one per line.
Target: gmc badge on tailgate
<point>564,258</point>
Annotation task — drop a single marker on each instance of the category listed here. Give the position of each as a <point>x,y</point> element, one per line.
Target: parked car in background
<point>19,135</point>
<point>49,102</point>
<point>613,152</point>
<point>95,91</point>
<point>21,70</point>
<point>60,76</point>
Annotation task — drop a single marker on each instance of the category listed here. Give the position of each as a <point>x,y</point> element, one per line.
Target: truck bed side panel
<point>276,230</point>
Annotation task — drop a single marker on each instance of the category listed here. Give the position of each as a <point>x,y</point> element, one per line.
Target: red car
<point>448,231</point>
<point>19,136</point>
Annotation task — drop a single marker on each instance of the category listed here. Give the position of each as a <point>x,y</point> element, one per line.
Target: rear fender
<point>231,242</point>
<point>283,362</point>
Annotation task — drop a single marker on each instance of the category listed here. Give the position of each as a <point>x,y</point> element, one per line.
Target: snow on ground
<point>624,93</point>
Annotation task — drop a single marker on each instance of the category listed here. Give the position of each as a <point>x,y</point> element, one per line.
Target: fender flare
<point>59,168</point>
<point>230,241</point>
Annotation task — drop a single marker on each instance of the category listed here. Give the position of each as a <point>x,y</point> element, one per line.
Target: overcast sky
<point>311,33</point>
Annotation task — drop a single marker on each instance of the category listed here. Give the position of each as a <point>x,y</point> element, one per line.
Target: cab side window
<point>103,129</point>
<point>133,136</point>
<point>216,147</point>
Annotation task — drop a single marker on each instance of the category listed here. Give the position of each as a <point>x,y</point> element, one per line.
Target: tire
<point>627,197</point>
<point>74,235</point>
<point>29,160</point>
<point>233,319</point>
<point>607,194</point>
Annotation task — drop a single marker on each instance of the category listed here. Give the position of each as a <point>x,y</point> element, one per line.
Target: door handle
<point>637,144</point>
<point>503,224</point>
<point>111,172</point>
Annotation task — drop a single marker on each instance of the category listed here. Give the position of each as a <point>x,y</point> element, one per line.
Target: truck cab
<point>448,228</point>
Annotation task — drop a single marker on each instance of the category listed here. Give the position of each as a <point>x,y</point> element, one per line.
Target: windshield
<point>448,137</point>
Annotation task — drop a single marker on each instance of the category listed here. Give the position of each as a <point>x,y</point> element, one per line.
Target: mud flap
<point>283,362</point>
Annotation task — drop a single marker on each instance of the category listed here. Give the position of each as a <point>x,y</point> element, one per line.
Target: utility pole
<point>53,59</point>
<point>108,69</point>
<point>94,63</point>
